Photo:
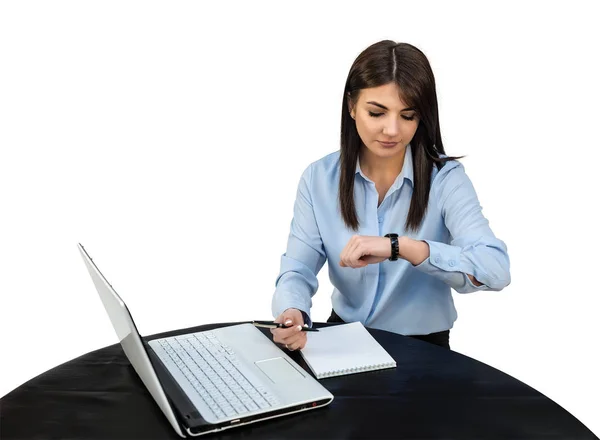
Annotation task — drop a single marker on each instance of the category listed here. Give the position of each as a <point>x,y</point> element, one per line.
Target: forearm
<point>417,251</point>
<point>297,280</point>
<point>413,251</point>
<point>295,286</point>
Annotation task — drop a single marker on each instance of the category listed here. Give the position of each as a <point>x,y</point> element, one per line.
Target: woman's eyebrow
<point>385,108</point>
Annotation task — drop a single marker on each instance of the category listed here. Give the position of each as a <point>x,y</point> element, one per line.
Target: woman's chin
<point>382,151</point>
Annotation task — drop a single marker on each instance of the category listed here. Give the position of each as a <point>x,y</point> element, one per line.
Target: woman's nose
<point>391,127</point>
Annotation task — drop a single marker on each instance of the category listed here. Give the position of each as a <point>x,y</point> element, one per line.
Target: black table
<point>433,393</point>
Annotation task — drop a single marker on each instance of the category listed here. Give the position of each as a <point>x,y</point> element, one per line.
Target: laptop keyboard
<point>214,371</point>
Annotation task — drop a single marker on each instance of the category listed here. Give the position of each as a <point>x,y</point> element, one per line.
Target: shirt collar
<point>406,173</point>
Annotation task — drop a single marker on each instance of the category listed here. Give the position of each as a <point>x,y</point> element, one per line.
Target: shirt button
<point>451,263</point>
<point>437,259</point>
<point>380,219</point>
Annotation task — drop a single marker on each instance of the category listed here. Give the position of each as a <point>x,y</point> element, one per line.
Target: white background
<point>169,139</point>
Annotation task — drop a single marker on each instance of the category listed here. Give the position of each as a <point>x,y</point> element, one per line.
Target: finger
<point>281,318</point>
<point>282,334</point>
<point>363,258</point>
<point>296,342</point>
<point>294,339</point>
<point>361,263</point>
<point>289,332</point>
<point>349,255</point>
<point>290,339</point>
<point>297,345</point>
<point>344,262</point>
<point>346,256</point>
<point>284,318</point>
<point>294,316</point>
<point>370,259</point>
<point>278,337</point>
<point>276,332</point>
<point>302,344</point>
<point>343,257</point>
<point>354,253</point>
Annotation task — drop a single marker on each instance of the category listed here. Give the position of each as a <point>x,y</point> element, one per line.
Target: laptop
<point>213,380</point>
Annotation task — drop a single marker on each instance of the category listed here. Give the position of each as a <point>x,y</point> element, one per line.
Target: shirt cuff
<point>444,263</point>
<point>444,256</point>
<point>285,302</point>
<point>306,318</point>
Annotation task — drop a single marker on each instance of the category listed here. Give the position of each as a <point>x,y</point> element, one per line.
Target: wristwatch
<point>395,248</point>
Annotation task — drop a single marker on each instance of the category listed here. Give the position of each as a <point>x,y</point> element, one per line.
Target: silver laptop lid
<point>130,339</point>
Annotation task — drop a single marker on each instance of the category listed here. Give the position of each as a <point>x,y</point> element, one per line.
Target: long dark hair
<point>379,64</point>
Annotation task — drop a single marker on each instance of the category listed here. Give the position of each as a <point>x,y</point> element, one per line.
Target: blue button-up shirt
<point>392,295</point>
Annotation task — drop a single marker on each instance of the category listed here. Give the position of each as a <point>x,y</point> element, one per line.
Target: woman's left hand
<point>362,250</point>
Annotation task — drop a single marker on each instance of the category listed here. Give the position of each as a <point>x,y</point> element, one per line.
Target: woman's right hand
<point>293,338</point>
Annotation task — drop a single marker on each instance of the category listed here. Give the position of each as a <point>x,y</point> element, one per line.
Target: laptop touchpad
<point>279,370</point>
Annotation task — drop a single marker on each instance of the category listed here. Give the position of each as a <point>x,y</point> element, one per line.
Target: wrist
<point>414,251</point>
<point>403,243</point>
<point>394,252</point>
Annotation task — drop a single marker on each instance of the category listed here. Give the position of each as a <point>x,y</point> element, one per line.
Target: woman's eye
<point>406,118</point>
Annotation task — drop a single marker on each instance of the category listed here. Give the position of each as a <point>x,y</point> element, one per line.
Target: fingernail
<point>288,322</point>
<point>299,327</point>
<point>305,325</point>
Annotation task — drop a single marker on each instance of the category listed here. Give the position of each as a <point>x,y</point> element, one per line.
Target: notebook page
<point>344,349</point>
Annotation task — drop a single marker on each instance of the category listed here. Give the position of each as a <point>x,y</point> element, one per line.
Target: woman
<point>398,220</point>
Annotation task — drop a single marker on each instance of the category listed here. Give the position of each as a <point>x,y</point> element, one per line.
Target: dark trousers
<point>440,338</point>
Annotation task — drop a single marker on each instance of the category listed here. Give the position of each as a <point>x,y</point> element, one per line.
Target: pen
<point>271,324</point>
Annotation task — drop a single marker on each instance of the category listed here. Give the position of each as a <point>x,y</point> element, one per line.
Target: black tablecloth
<point>433,393</point>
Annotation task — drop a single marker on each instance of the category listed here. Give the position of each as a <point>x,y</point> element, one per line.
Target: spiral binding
<point>353,370</point>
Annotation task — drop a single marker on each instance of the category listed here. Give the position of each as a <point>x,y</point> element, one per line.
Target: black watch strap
<point>395,248</point>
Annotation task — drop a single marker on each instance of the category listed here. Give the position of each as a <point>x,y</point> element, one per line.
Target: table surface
<point>433,393</point>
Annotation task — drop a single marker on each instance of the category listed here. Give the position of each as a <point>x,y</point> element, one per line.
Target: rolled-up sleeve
<point>474,248</point>
<point>304,257</point>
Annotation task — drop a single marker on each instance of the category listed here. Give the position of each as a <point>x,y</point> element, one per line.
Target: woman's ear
<point>351,106</point>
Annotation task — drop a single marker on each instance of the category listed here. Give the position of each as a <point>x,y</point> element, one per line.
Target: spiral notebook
<point>344,349</point>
